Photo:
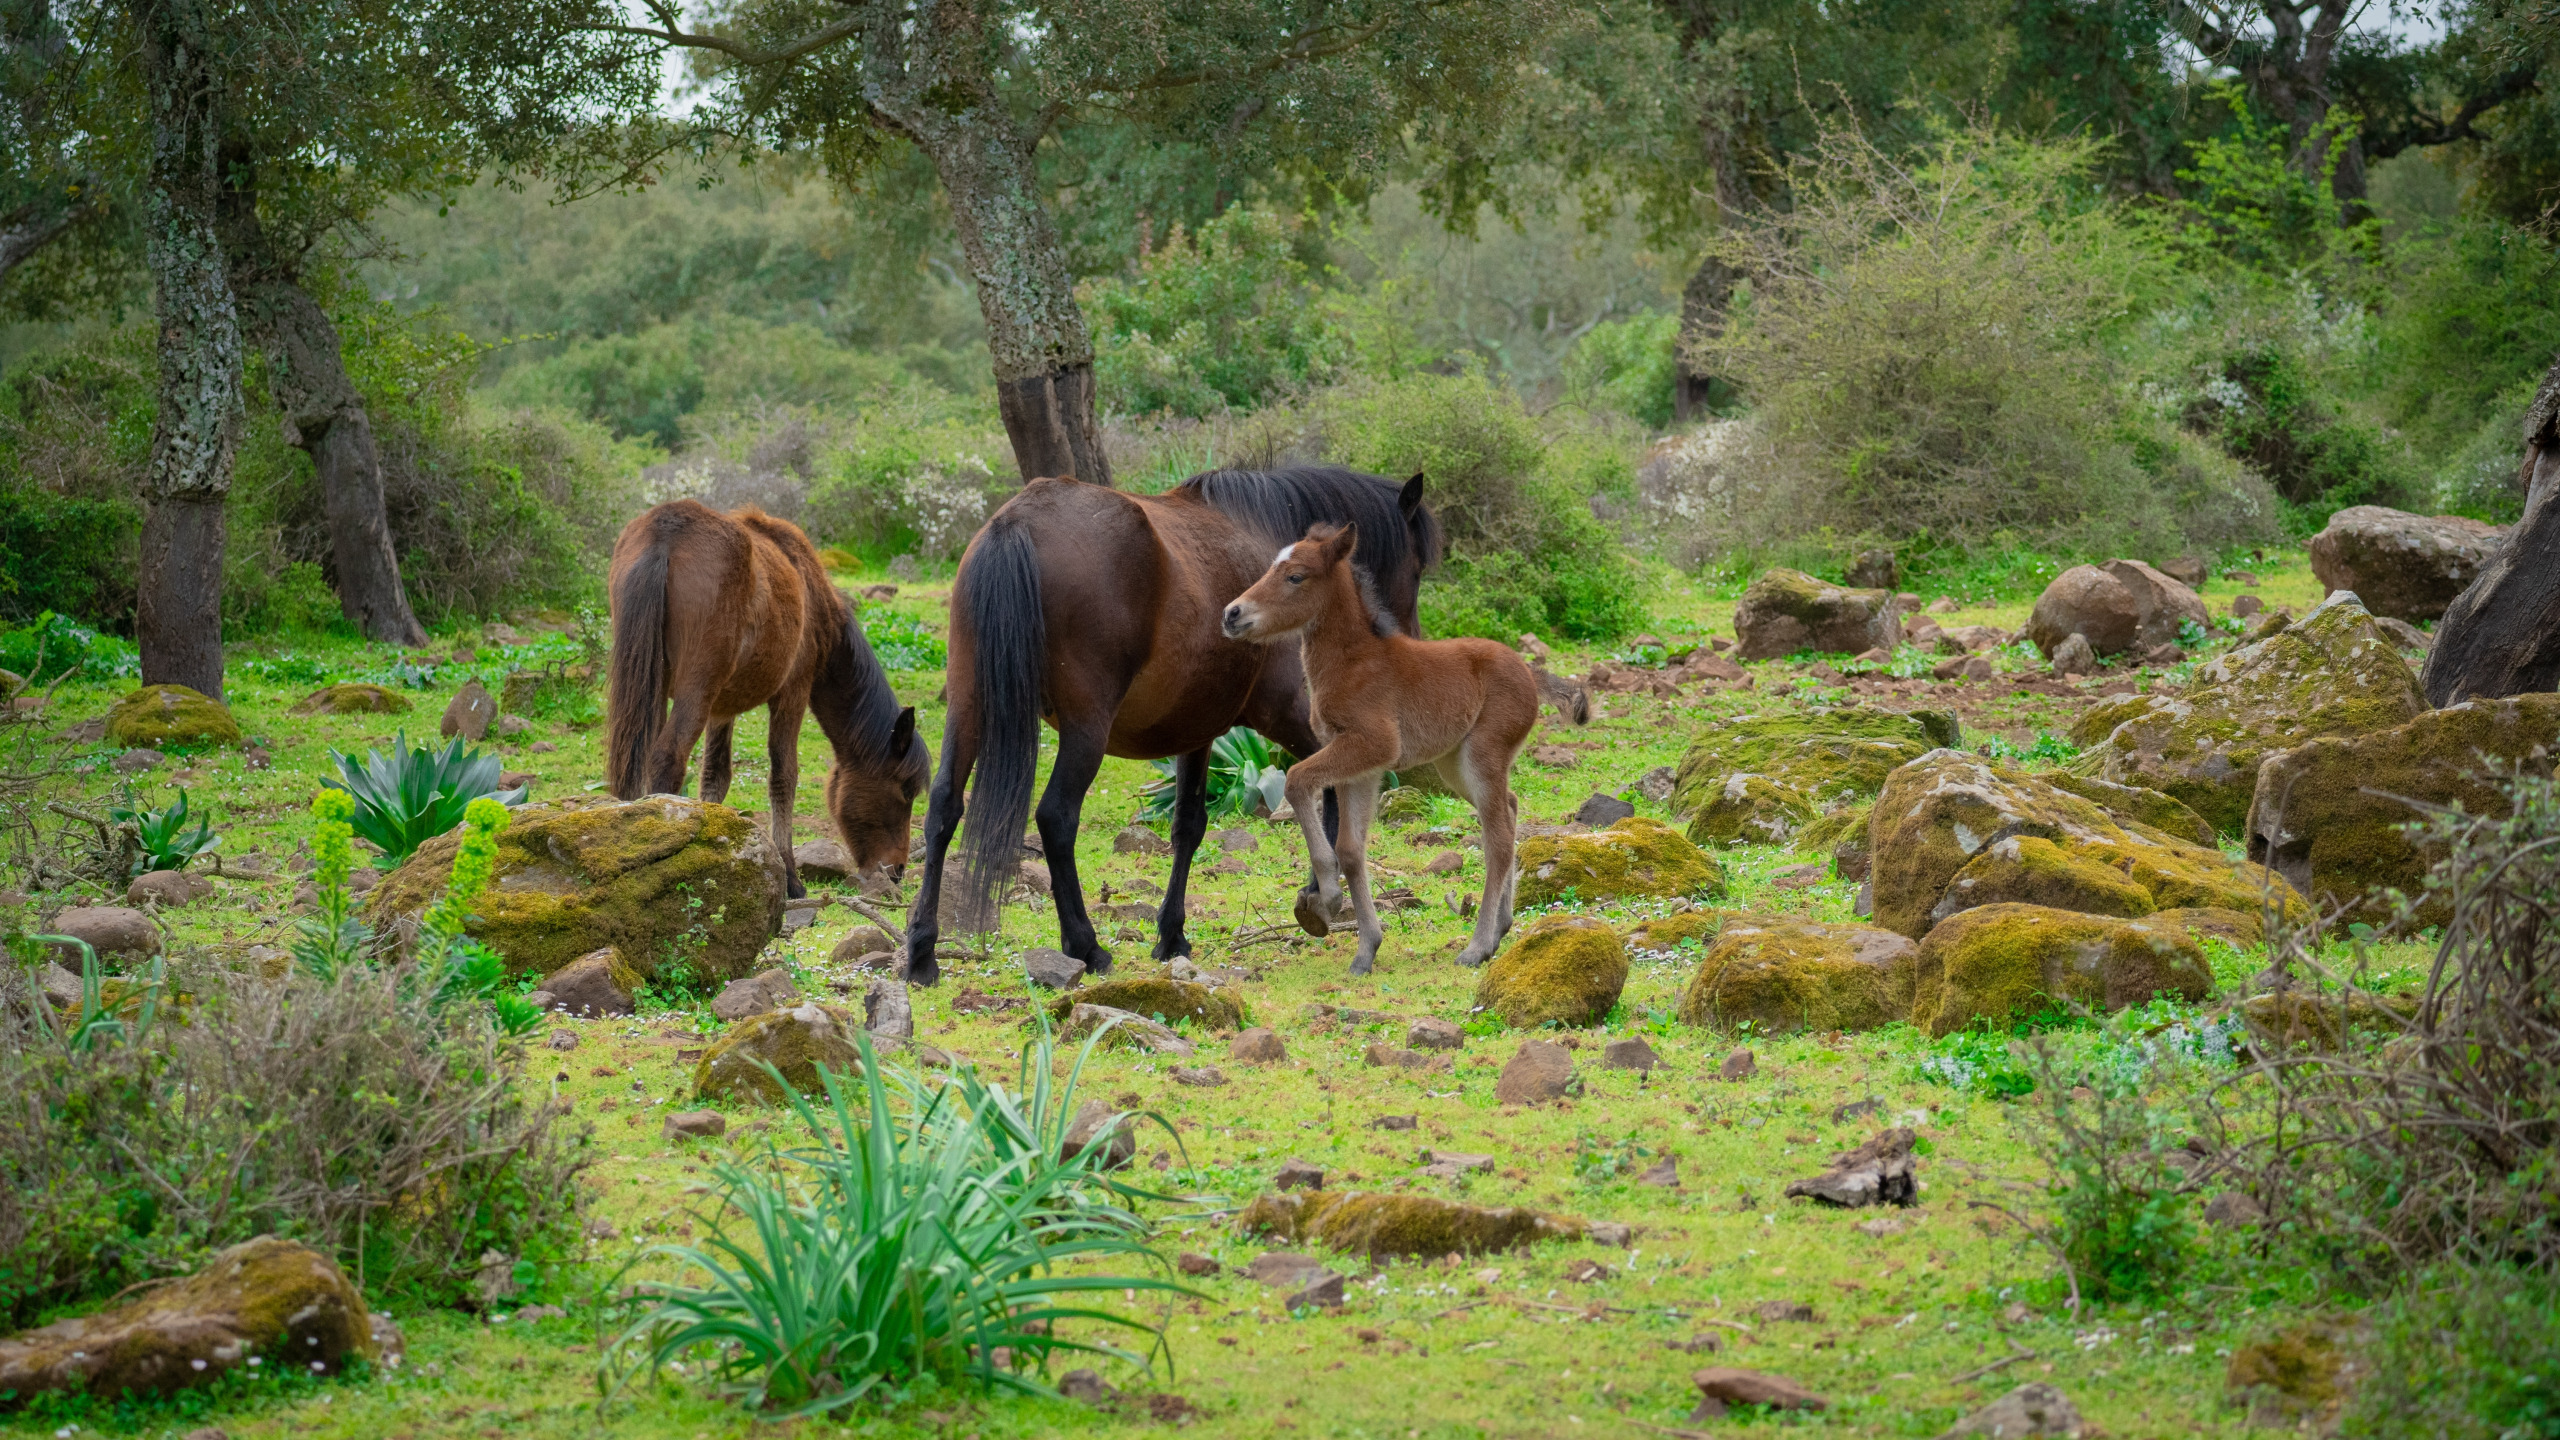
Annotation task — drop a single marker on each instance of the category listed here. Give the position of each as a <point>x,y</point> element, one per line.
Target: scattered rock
<point>1586,1272</point>
<point>1093,1118</point>
<point>654,878</point>
<point>1602,811</point>
<point>1881,1226</point>
<point>1139,840</point>
<point>1205,1076</point>
<point>1662,1174</point>
<point>269,1299</point>
<point>1875,570</point>
<point>754,995</point>
<point>1298,1175</point>
<point>1995,962</point>
<point>134,762</point>
<point>1235,841</point>
<point>116,932</point>
<point>2123,605</point>
<point>1284,1269</point>
<point>1784,974</point>
<point>1633,857</point>
<point>1609,1232</point>
<point>1433,1033</point>
<point>1052,969</point>
<point>168,889</point>
<point>2074,656</point>
<point>1785,611</point>
<point>563,1040</point>
<point>353,700</point>
<point>1566,969</point>
<point>1321,1293</point>
<point>1163,997</point>
<point>1450,1164</point>
<point>2406,566</point>
<point>1381,1226</point>
<point>470,713</point>
<point>694,1125</point>
<point>2407,636</point>
<point>2234,1210</point>
<point>1128,1030</point>
<point>1539,1072</point>
<point>861,943</point>
<point>2328,814</point>
<point>1395,1122</point>
<point>2187,570</point>
<point>158,716</point>
<point>2034,1409</point>
<point>1196,1265</point>
<point>1783,1312</point>
<point>596,983</point>
<point>1382,1054</point>
<point>1816,760</point>
<point>822,860</point>
<point>1629,1053</point>
<point>2245,606</point>
<point>1799,877</point>
<point>2334,673</point>
<point>1880,1172</point>
<point>887,1011</point>
<point>1750,810</point>
<point>1257,1046</point>
<point>1722,1387</point>
<point>1740,1065</point>
<point>795,1042</point>
<point>1082,1386</point>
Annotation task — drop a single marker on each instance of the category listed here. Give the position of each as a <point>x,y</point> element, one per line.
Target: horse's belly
<point>1176,706</point>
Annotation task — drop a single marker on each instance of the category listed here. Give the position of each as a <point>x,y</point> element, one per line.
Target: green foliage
<point>928,1227</point>
<point>1629,366</point>
<point>1228,318</point>
<point>2463,1352</point>
<point>2250,201</point>
<point>66,552</point>
<point>162,835</point>
<point>1978,1061</point>
<point>50,647</point>
<point>408,797</point>
<point>2269,412</point>
<point>903,642</point>
<point>2046,749</point>
<point>1245,771</point>
<point>331,938</point>
<point>2121,1218</point>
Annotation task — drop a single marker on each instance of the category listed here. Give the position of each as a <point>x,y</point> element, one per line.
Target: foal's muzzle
<point>1236,621</point>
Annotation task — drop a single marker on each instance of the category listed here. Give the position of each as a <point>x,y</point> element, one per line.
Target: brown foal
<point>1386,701</point>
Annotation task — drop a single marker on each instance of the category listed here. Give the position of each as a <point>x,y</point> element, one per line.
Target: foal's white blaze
<point>1283,557</point>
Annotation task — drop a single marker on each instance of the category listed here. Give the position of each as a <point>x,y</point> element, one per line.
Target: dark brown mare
<point>716,614</point>
<point>1098,611</point>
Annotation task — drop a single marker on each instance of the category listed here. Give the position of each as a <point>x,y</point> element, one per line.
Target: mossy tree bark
<point>2501,636</point>
<point>197,434</point>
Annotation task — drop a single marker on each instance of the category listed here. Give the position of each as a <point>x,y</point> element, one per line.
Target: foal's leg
<point>1061,812</point>
<point>1497,815</point>
<point>1332,831</point>
<point>942,808</point>
<point>715,760</point>
<point>782,783</point>
<point>1190,823</point>
<point>1349,754</point>
<point>1351,853</point>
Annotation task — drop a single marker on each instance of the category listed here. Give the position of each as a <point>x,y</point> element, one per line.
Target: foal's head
<point>1303,582</point>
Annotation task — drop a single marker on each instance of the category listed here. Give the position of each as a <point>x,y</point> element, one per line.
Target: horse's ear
<point>1409,499</point>
<point>1339,543</point>
<point>903,733</point>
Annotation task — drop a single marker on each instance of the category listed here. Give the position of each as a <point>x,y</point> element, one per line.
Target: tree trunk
<point>931,85</point>
<point>39,223</point>
<point>324,414</point>
<point>1702,310</point>
<point>2502,635</point>
<point>179,619</point>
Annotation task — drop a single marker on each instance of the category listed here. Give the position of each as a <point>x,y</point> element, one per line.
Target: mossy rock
<point>1784,974</point>
<point>1784,611</point>
<point>2134,804</point>
<point>795,1041</point>
<point>1403,805</point>
<point>680,887</point>
<point>2333,673</point>
<point>2327,815</point>
<point>1750,810</point>
<point>1635,857</point>
<point>1830,756</point>
<point>1668,932</point>
<point>161,716</point>
<point>1939,815</point>
<point>2301,1374</point>
<point>2240,929</point>
<point>353,700</point>
<point>1565,969</point>
<point>1385,1226</point>
<point>2002,962</point>
<point>1160,997</point>
<point>1842,835</point>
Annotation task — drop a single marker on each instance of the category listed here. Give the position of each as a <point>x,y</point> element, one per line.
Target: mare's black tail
<point>998,589</point>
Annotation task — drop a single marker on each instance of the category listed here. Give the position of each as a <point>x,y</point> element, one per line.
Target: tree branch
<point>2512,85</point>
<point>668,31</point>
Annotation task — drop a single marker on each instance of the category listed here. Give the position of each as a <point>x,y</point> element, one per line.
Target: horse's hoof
<point>927,975</point>
<point>1311,916</point>
<point>1179,949</point>
<point>1360,964</point>
<point>1098,963</point>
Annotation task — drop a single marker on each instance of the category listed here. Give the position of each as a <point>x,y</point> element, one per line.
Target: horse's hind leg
<point>715,760</point>
<point>941,821</point>
<point>1061,812</point>
<point>782,782</point>
<point>1190,822</point>
<point>1308,893</point>
<point>1497,816</point>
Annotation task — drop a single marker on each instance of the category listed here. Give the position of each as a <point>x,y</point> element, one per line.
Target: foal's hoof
<point>1311,916</point>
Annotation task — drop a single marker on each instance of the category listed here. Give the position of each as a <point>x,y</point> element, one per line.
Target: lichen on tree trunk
<point>179,618</point>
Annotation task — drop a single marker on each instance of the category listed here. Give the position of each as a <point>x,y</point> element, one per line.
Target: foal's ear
<point>1339,544</point>
<point>1409,499</point>
<point>903,733</point>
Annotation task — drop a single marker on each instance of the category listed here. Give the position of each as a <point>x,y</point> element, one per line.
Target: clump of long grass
<point>941,1227</point>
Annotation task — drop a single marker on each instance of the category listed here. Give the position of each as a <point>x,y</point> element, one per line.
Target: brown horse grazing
<point>721,613</point>
<point>1098,611</point>
<point>1385,701</point>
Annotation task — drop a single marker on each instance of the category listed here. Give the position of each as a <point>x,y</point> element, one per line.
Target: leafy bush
<point>2268,411</point>
<point>2463,1352</point>
<point>2120,1209</point>
<point>1245,771</point>
<point>1226,318</point>
<point>50,647</point>
<point>907,490</point>
<point>162,835</point>
<point>402,800</point>
<point>66,552</point>
<point>650,383</point>
<point>903,642</point>
<point>1629,366</point>
<point>930,1228</point>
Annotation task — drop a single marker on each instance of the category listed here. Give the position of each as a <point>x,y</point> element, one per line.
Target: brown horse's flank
<point>1385,701</point>
<point>716,614</point>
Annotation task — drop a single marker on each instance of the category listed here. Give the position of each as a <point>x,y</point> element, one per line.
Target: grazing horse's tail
<point>638,705</point>
<point>999,590</point>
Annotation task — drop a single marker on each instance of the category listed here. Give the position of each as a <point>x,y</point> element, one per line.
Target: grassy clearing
<point>1908,1327</point>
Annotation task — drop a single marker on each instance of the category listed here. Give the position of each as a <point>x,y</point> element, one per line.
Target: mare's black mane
<point>1279,505</point>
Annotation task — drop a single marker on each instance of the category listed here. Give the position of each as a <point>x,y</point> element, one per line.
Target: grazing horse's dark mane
<point>1279,505</point>
<point>852,674</point>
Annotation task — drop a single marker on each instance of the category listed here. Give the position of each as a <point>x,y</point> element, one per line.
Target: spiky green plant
<point>1244,770</point>
<point>409,797</point>
<point>162,835</point>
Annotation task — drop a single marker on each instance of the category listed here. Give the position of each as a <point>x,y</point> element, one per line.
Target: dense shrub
<point>1629,366</point>
<point>900,489</point>
<point>2266,408</point>
<point>2463,1352</point>
<point>75,428</point>
<point>1226,318</point>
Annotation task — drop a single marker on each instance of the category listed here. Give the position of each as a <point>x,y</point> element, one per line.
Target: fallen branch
<point>2000,1364</point>
<point>1670,1430</point>
<point>874,916</point>
<point>1728,1324</point>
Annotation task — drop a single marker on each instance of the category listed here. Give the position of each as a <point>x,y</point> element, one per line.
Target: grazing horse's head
<point>1296,590</point>
<point>874,799</point>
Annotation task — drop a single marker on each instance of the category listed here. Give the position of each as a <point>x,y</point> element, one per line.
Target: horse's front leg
<point>942,809</point>
<point>1350,754</point>
<point>1190,823</point>
<point>1351,854</point>
<point>1061,812</point>
<point>782,780</point>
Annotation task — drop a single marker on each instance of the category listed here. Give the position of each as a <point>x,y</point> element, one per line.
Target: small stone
<point>563,1040</point>
<point>1880,1227</point>
<point>1257,1046</point>
<point>1629,1053</point>
<point>168,889</point>
<point>797,917</point>
<point>887,1010</point>
<point>589,985</point>
<point>1602,811</point>
<point>1740,1065</point>
<point>1610,1233</point>
<point>1880,1172</point>
<point>1656,784</point>
<point>542,747</point>
<point>2033,1409</point>
<point>1586,1272</point>
<point>1721,1386</point>
<point>754,995</point>
<point>1450,1164</point>
<point>1395,1122</point>
<point>1053,969</point>
<point>1322,1293</point>
<point>470,713</point>
<point>1447,862</point>
<point>137,760</point>
<point>111,930</point>
<point>1663,1174</point>
<point>513,725</point>
<point>1856,1110</point>
<point>1284,1269</point>
<point>1116,1150</point>
<point>1235,841</point>
<point>822,860</point>
<point>1193,1264</point>
<point>1539,1072</point>
<point>1298,1175</point>
<point>2245,606</point>
<point>1139,840</point>
<point>2074,656</point>
<point>1777,1312</point>
<point>1433,1033</point>
<point>695,1125</point>
<point>1205,1076</point>
<point>1877,656</point>
<point>861,942</point>
<point>1082,1386</point>
<point>1555,757</point>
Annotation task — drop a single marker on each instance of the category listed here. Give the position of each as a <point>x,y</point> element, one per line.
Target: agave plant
<point>1245,771</point>
<point>162,835</point>
<point>409,797</point>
